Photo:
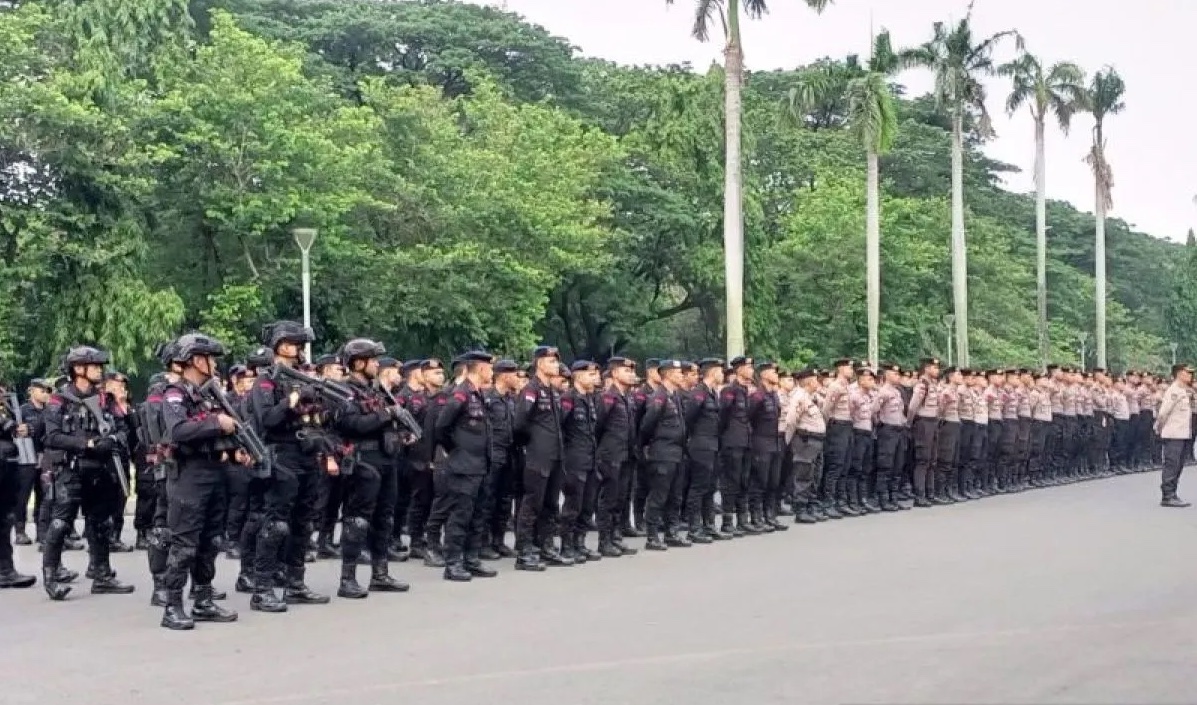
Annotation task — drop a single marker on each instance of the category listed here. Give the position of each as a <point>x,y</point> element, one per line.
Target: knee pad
<point>181,555</point>
<point>160,538</point>
<point>276,530</point>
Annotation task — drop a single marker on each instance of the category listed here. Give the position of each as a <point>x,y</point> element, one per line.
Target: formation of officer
<point>268,460</point>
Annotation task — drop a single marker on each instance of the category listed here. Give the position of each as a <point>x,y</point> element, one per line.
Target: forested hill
<point>477,182</point>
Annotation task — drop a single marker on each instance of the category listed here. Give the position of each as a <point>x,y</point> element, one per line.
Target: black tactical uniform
<point>419,459</point>
<point>10,488</point>
<point>735,460</point>
<point>579,419</point>
<point>763,500</point>
<point>369,476</point>
<point>289,495</point>
<point>85,475</point>
<point>663,433</point>
<point>463,429</point>
<point>27,475</point>
<point>701,406</point>
<point>615,462</point>
<point>538,422</point>
<point>195,487</point>
<point>500,481</point>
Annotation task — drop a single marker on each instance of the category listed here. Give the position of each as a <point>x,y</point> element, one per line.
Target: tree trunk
<point>959,254</point>
<point>873,257</point>
<point>1099,261</point>
<point>733,224</point>
<point>1041,239</point>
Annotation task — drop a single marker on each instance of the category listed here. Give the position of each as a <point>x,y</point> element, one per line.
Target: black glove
<point>103,446</point>
<point>308,395</point>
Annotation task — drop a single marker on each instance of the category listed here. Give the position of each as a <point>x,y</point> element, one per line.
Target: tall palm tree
<point>959,62</point>
<point>728,13</point>
<point>1103,99</point>
<point>872,118</point>
<point>1059,91</point>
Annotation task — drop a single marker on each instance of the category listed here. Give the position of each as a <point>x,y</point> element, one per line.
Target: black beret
<point>476,356</point>
<point>739,361</point>
<point>388,363</point>
<point>670,364</point>
<point>1181,367</point>
<point>928,362</point>
<point>949,371</point>
<point>326,359</point>
<point>766,366</point>
<point>41,383</point>
<point>563,371</point>
<point>237,370</point>
<point>864,370</point>
<point>890,367</point>
<point>842,362</point>
<point>115,376</point>
<point>689,366</point>
<point>652,363</point>
<point>503,366</point>
<point>545,351</point>
<point>431,364</point>
<point>805,373</point>
<point>411,365</point>
<point>621,362</point>
<point>584,366</point>
<point>708,362</point>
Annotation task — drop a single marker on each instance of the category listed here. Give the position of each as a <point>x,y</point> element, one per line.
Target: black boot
<point>161,595</point>
<point>381,580</point>
<point>55,589</point>
<point>324,547</point>
<point>744,524</point>
<point>206,610</point>
<point>433,558</point>
<point>551,556</point>
<point>216,594</point>
<point>617,539</point>
<point>298,593</point>
<point>727,528</point>
<point>107,584</point>
<point>20,538</point>
<point>581,549</point>
<point>455,571</point>
<point>633,531</point>
<point>10,578</point>
<point>478,569</point>
<point>805,514</point>
<point>175,617</point>
<point>654,542</point>
<point>143,540</point>
<point>265,599</point>
<point>349,588</point>
<point>569,549</point>
<point>529,559</point>
<point>607,547</point>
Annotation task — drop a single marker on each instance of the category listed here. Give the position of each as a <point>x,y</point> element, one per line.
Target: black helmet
<point>165,353</point>
<point>262,357</point>
<point>286,332</point>
<point>85,355</point>
<point>191,344</point>
<point>359,348</point>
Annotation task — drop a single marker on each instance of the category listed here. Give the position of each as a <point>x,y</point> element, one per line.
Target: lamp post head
<point>304,237</point>
<point>949,319</point>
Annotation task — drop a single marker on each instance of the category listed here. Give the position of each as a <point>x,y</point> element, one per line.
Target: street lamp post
<point>1175,347</point>
<point>948,320</point>
<point>305,237</point>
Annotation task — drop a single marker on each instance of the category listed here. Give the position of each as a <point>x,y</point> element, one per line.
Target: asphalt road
<point>1078,594</point>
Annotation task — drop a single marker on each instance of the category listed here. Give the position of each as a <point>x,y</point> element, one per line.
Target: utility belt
<point>809,435</point>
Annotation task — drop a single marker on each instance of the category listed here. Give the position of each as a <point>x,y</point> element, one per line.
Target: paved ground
<point>1077,594</point>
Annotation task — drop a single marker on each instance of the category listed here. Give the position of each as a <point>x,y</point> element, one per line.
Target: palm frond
<point>755,9</point>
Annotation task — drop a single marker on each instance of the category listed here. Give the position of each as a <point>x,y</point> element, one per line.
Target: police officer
<point>504,459</point>
<point>538,421</point>
<point>735,459</point>
<point>701,406</point>
<point>84,471</point>
<point>196,490</point>
<point>159,457</point>
<point>579,421</point>
<point>430,378</point>
<point>1174,427</point>
<point>615,459</point>
<point>805,431</point>
<point>32,412</point>
<point>289,495</point>
<point>766,444</point>
<point>463,429</point>
<point>922,415</point>
<point>890,438</point>
<point>862,403</point>
<point>369,481</point>
<point>10,487</point>
<point>837,448</point>
<point>663,434</point>
<point>116,388</point>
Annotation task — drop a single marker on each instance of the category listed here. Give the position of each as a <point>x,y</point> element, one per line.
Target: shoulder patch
<point>728,393</point>
<point>567,403</point>
<point>758,395</point>
<point>173,396</point>
<point>266,384</point>
<point>461,396</point>
<point>441,399</point>
<point>699,396</point>
<point>529,394</point>
<point>658,400</point>
<point>55,400</point>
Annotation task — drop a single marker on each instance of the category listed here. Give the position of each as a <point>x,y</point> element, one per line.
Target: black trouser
<point>640,491</point>
<point>402,501</point>
<point>288,515</point>
<point>237,481</point>
<point>496,510</point>
<point>972,450</point>
<point>860,469</point>
<point>9,489</point>
<point>1173,465</point>
<point>734,466</point>
<point>361,492</point>
<point>1053,453</point>
<point>330,496</point>
<point>925,431</point>
<point>660,481</point>
<point>1100,445</point>
<point>25,484</point>
<point>1085,443</point>
<point>92,489</point>
<point>890,452</point>
<point>458,497</point>
<point>946,443</point>
<point>993,452</point>
<point>196,522</point>
<point>807,450</point>
<point>675,504</point>
<point>837,457</point>
<point>422,492</point>
<point>785,483</point>
<point>117,508</point>
<point>539,504</point>
<point>611,498</point>
<point>629,469</point>
<point>700,496</point>
<point>1037,452</point>
<point>576,474</point>
<point>1146,436</point>
<point>147,500</point>
<point>1024,447</point>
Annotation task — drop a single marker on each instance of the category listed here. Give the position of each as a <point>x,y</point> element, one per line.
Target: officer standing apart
<point>463,429</point>
<point>538,421</point>
<point>195,485</point>
<point>805,431</point>
<point>701,405</point>
<point>1174,427</point>
<point>663,434</point>
<point>84,473</point>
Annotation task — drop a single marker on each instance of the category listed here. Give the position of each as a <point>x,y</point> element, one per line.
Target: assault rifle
<point>333,394</point>
<point>105,429</point>
<point>26,453</point>
<point>402,415</point>
<point>246,437</point>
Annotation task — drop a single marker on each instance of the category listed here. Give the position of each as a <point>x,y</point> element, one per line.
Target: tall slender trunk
<point>1099,261</point>
<point>733,225</point>
<point>873,256</point>
<point>959,254</point>
<point>1041,238</point>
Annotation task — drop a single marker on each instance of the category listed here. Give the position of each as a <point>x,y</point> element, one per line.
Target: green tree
<point>728,12</point>
<point>1058,91</point>
<point>960,62</point>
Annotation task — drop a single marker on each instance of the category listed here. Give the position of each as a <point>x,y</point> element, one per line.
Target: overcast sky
<point>1151,146</point>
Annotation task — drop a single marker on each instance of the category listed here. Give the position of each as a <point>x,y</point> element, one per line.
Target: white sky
<point>1150,42</point>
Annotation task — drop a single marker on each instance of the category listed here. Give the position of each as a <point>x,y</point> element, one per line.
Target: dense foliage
<point>475,182</point>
